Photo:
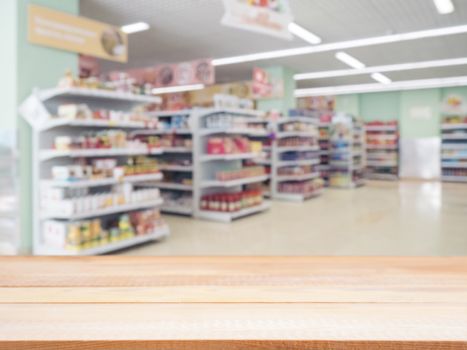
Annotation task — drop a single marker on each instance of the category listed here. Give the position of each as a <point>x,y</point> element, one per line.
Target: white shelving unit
<point>382,151</point>
<point>454,152</point>
<point>38,110</point>
<point>207,165</point>
<point>177,161</point>
<point>293,157</point>
<point>347,152</point>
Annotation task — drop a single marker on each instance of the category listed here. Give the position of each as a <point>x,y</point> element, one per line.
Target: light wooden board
<point>233,303</point>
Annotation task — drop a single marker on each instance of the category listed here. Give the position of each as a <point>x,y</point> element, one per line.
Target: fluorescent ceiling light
<point>306,50</point>
<point>304,34</point>
<point>349,60</point>
<point>386,68</point>
<point>395,86</point>
<point>381,78</point>
<point>135,27</point>
<point>181,88</point>
<point>444,6</point>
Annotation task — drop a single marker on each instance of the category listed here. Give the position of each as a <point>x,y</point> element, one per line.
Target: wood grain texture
<point>233,303</point>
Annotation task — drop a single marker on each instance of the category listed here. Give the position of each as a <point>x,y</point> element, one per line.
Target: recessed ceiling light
<point>304,34</point>
<point>386,68</point>
<point>444,6</point>
<point>135,27</point>
<point>381,78</point>
<point>395,86</point>
<point>430,33</point>
<point>173,89</point>
<point>349,60</point>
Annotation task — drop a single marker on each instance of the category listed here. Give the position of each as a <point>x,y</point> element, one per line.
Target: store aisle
<point>400,218</point>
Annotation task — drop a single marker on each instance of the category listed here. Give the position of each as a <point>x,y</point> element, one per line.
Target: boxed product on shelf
<point>294,155</point>
<point>166,141</point>
<point>178,178</point>
<point>232,145</point>
<point>296,141</point>
<point>246,172</point>
<point>104,139</point>
<point>297,126</point>
<point>86,234</point>
<point>69,201</point>
<point>231,202</point>
<point>301,187</point>
<point>227,121</point>
<point>295,170</point>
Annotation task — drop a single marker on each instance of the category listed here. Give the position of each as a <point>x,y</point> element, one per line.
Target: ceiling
<point>183,30</point>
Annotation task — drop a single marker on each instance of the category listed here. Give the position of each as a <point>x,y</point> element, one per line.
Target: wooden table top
<point>333,303</point>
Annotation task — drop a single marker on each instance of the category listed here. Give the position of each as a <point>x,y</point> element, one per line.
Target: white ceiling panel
<point>190,29</point>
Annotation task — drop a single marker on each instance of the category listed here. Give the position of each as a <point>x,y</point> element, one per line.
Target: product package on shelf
<point>346,155</point>
<point>454,148</point>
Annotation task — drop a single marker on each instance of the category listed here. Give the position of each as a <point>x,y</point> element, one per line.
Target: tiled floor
<point>382,218</point>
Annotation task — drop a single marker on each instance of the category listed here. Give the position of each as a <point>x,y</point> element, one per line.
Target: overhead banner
<point>63,31</point>
<point>266,87</point>
<point>185,73</point>
<point>271,17</point>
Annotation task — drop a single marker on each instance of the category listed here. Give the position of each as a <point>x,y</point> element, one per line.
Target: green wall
<point>418,111</point>
<point>40,67</point>
<point>288,101</point>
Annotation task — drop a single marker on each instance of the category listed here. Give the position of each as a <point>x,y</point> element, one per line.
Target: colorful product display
<point>231,202</point>
<point>82,235</point>
<point>226,121</point>
<point>298,126</point>
<point>295,170</point>
<point>232,145</point>
<point>455,172</point>
<point>105,139</point>
<point>166,141</point>
<point>294,155</point>
<point>229,175</point>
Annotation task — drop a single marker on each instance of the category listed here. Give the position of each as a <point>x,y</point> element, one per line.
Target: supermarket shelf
<point>48,94</point>
<point>163,132</point>
<point>454,146</point>
<point>381,163</point>
<point>310,120</point>
<point>180,168</point>
<point>173,186</point>
<point>284,134</point>
<point>381,127</point>
<point>51,154</point>
<point>298,197</point>
<point>233,183</point>
<point>453,157</point>
<point>454,126</point>
<point>228,217</point>
<point>106,211</point>
<point>298,149</point>
<point>262,161</point>
<point>102,182</point>
<point>177,150</point>
<point>282,178</point>
<point>324,125</point>
<point>171,113</point>
<point>59,122</point>
<point>389,177</point>
<point>314,161</point>
<point>453,165</point>
<point>454,137</point>
<point>250,132</point>
<point>255,116</point>
<point>453,178</point>
<point>211,157</point>
<point>381,136</point>
<point>388,147</point>
<point>126,243</point>
<point>177,210</point>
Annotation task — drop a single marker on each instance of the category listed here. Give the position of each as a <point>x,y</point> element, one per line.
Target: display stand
<point>324,145</point>
<point>176,162</point>
<point>295,157</point>
<point>454,149</point>
<point>224,200</point>
<point>347,152</point>
<point>382,145</point>
<point>40,110</point>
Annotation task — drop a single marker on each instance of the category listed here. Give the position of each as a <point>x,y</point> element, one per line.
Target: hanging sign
<point>63,31</point>
<point>454,104</point>
<point>185,73</point>
<point>264,86</point>
<point>271,17</point>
